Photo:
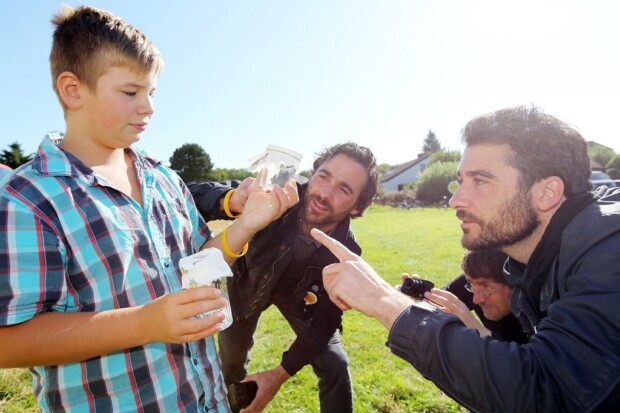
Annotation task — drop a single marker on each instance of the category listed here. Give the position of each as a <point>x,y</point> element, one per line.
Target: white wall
<point>407,177</point>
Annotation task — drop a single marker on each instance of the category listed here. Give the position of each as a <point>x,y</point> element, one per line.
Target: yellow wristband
<point>227,250</point>
<point>226,208</point>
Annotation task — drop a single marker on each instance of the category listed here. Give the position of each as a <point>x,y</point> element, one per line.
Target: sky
<point>240,75</point>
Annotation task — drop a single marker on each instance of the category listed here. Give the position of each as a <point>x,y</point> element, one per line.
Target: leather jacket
<point>256,274</point>
<point>572,361</point>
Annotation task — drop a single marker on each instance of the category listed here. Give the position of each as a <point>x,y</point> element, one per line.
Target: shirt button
<point>195,361</point>
<point>166,264</point>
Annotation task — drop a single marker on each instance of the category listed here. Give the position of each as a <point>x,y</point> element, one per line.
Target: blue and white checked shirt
<point>71,242</point>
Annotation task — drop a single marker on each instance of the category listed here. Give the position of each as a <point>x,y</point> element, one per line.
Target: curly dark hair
<point>488,264</point>
<point>364,157</point>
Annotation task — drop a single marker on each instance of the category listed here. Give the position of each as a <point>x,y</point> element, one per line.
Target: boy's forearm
<point>60,338</point>
<point>236,238</point>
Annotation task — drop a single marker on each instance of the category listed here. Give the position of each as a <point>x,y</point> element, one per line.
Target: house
<point>595,166</point>
<point>405,174</point>
<point>408,173</point>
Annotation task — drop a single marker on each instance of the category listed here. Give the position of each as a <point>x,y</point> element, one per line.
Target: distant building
<point>595,166</point>
<point>405,174</point>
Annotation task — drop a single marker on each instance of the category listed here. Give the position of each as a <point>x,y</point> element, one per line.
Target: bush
<point>613,167</point>
<point>613,173</point>
<point>398,199</point>
<point>446,155</point>
<point>432,186</point>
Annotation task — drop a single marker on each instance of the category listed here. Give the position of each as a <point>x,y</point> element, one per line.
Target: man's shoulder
<point>347,237</point>
<point>596,227</point>
<point>602,215</point>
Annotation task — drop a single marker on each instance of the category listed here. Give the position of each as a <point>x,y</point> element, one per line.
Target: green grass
<point>420,240</point>
<point>16,391</point>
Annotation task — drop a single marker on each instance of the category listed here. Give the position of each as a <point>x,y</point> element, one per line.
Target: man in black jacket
<point>283,267</point>
<point>524,189</point>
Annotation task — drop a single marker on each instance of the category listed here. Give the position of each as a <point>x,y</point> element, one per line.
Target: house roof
<point>404,167</point>
<point>595,166</point>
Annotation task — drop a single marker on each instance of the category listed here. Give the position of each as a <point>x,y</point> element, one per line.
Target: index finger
<point>340,251</point>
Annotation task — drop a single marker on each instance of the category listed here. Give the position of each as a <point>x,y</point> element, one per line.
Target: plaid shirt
<point>71,242</point>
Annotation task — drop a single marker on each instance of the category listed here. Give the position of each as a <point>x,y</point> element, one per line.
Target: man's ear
<point>550,193</point>
<point>68,85</point>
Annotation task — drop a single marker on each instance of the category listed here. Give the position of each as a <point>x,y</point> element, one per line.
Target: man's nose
<point>458,198</point>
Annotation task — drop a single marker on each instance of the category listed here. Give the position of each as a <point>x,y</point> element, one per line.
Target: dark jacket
<point>506,329</point>
<point>257,273</point>
<point>207,195</point>
<point>571,363</point>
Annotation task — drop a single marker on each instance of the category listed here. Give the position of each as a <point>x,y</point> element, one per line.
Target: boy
<point>92,232</point>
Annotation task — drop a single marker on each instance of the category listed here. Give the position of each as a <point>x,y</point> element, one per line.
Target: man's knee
<point>333,361</point>
<point>234,353</point>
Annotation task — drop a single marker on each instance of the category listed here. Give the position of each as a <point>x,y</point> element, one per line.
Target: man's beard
<point>313,220</point>
<point>515,221</point>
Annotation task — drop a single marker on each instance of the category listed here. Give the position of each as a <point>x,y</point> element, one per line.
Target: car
<point>599,178</point>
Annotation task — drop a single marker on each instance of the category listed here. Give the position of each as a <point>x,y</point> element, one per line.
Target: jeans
<point>331,366</point>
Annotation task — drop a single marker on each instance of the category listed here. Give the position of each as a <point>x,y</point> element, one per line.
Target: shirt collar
<point>50,160</point>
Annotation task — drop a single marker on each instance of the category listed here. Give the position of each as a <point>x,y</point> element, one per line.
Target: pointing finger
<point>340,251</point>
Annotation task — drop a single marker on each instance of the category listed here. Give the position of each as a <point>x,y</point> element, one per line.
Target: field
<point>419,240</point>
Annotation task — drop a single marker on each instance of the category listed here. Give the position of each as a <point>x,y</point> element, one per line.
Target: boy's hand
<point>263,207</point>
<point>169,318</point>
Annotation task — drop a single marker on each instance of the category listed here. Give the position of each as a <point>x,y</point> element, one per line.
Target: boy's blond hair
<point>87,41</point>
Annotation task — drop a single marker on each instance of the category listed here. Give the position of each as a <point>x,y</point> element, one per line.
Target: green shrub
<point>399,199</point>
<point>446,155</point>
<point>432,186</point>
<point>613,167</point>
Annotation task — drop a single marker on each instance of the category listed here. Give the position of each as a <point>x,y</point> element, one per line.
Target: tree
<point>191,162</point>
<point>613,167</point>
<point>384,168</point>
<point>446,155</point>
<point>14,156</point>
<point>601,154</point>
<point>431,143</point>
<point>222,174</point>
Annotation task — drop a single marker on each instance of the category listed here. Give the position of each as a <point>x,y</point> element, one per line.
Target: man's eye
<point>130,93</point>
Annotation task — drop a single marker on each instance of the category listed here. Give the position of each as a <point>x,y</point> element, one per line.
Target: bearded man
<point>524,189</point>
<point>283,267</point>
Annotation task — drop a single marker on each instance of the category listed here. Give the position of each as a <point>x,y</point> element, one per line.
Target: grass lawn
<point>420,240</point>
